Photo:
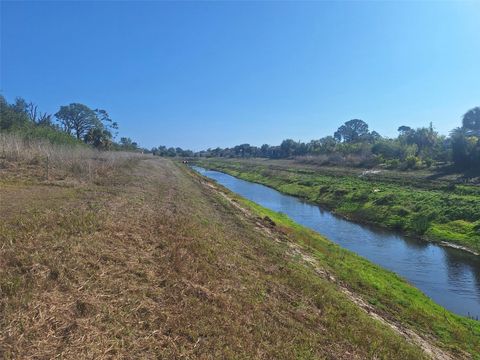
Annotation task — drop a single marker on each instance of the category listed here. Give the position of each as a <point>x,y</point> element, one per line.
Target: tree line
<point>74,123</point>
<point>354,144</point>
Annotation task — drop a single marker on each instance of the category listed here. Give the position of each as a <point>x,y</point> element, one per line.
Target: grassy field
<point>437,208</point>
<point>150,260</point>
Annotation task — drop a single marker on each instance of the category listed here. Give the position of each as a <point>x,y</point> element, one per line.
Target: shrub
<point>419,223</point>
<point>428,162</point>
<point>392,164</point>
<point>340,192</point>
<point>476,228</point>
<point>411,162</point>
<point>323,190</point>
<point>385,199</point>
<point>400,210</point>
<point>396,222</point>
<point>360,195</point>
<point>47,133</point>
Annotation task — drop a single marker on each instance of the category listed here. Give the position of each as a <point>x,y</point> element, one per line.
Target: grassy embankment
<point>437,210</point>
<point>141,258</point>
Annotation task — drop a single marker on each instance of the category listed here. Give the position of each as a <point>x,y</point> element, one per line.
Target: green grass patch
<point>388,292</point>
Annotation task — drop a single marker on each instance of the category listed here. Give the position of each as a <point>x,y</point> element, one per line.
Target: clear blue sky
<point>200,75</point>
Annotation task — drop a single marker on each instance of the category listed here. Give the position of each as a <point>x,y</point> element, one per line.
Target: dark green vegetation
<point>151,260</point>
<point>354,145</point>
<point>436,209</point>
<point>74,124</point>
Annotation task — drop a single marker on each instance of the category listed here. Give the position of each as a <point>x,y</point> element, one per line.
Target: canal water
<point>451,277</point>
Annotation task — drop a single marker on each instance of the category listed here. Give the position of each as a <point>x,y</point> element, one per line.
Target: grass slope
<point>435,210</point>
<point>149,262</point>
<point>153,264</point>
<point>388,293</point>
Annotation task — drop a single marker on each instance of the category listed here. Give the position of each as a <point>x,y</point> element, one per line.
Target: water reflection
<point>415,244</point>
<point>460,265</point>
<point>451,277</point>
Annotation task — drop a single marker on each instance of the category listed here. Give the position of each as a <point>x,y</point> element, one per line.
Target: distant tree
<point>352,131</point>
<point>265,150</point>
<point>20,106</point>
<point>125,141</point>
<point>32,111</point>
<point>128,144</point>
<point>471,121</point>
<point>287,147</point>
<point>171,152</point>
<point>460,147</point>
<point>99,138</point>
<point>389,149</point>
<point>243,150</point>
<point>107,122</point>
<point>162,150</point>
<point>44,119</point>
<point>372,137</point>
<point>423,138</point>
<point>11,115</point>
<point>325,145</point>
<point>404,129</point>
<point>300,149</point>
<point>77,119</point>
<point>37,117</point>
<point>465,141</point>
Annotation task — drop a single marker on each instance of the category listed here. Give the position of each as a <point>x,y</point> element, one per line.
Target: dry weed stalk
<point>80,162</point>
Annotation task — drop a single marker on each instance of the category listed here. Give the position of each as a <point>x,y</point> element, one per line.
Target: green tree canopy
<point>77,119</point>
<point>471,121</point>
<point>352,131</point>
<point>128,144</point>
<point>12,116</point>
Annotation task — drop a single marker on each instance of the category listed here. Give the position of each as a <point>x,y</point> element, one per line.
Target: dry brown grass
<point>157,265</point>
<point>41,159</point>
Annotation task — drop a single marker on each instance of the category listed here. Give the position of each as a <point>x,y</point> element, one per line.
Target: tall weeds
<point>77,161</point>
